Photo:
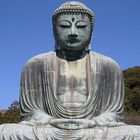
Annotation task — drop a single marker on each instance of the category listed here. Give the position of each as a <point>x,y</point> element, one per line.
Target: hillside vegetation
<point>132,90</point>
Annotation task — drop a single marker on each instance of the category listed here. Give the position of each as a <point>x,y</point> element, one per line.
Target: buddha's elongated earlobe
<point>88,48</point>
<point>57,47</point>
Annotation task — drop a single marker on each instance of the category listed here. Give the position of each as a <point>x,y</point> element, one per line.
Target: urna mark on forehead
<point>73,17</point>
<point>81,18</point>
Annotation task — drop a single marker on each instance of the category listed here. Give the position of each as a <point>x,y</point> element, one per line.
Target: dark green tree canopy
<point>132,89</point>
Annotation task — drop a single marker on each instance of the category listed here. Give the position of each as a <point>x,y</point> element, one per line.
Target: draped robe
<point>104,104</point>
<point>105,98</point>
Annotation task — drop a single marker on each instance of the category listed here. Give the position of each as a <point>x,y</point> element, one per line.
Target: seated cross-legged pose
<point>72,92</point>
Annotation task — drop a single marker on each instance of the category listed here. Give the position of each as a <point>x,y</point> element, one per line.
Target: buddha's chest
<point>72,84</point>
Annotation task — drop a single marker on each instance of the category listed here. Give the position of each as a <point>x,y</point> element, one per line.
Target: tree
<point>1,118</point>
<point>12,115</point>
<point>132,89</point>
<point>14,106</point>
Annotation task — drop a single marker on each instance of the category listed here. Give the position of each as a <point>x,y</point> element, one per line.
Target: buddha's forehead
<point>75,16</point>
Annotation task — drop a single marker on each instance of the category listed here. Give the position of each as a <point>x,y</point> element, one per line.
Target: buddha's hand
<point>72,123</point>
<point>109,124</point>
<point>38,118</point>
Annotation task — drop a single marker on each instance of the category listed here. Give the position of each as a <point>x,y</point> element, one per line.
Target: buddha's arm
<point>31,96</point>
<point>107,119</point>
<point>37,118</point>
<point>113,95</point>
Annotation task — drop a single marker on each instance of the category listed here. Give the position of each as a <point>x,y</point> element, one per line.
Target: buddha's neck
<point>71,55</point>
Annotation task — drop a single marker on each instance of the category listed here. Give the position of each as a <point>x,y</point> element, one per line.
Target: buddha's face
<point>73,31</point>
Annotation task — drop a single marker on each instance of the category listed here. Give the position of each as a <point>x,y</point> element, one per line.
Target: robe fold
<point>106,91</point>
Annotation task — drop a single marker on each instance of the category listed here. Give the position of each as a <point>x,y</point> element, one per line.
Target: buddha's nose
<point>73,32</point>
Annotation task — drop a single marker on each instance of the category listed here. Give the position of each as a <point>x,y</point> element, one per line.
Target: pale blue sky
<point>26,30</point>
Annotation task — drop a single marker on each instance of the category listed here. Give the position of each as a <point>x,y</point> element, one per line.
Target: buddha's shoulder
<point>42,57</point>
<point>102,59</point>
<point>38,60</point>
<point>99,56</point>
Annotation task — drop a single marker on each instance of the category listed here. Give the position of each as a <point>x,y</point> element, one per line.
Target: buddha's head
<point>73,25</point>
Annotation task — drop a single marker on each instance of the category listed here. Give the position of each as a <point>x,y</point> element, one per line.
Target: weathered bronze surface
<point>72,92</point>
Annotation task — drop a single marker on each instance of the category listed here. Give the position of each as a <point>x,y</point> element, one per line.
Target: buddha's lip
<point>73,40</point>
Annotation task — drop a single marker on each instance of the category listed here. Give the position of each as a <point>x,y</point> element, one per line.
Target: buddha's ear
<point>54,30</point>
<point>57,46</point>
<point>54,23</point>
<point>88,48</point>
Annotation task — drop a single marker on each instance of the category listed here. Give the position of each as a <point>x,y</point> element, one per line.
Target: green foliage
<point>1,119</point>
<point>12,115</point>
<point>132,90</point>
<point>14,106</point>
